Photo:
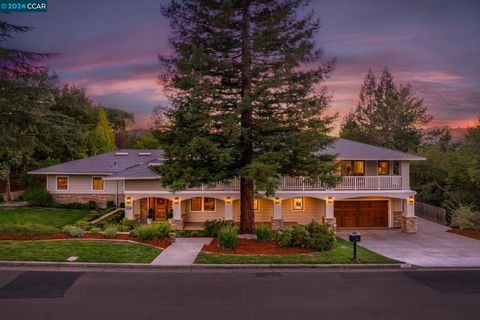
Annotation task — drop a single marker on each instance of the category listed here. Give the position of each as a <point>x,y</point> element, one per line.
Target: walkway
<point>182,252</point>
<point>432,246</point>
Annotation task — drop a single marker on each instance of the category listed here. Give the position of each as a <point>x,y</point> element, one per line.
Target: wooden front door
<point>351,214</point>
<point>161,208</point>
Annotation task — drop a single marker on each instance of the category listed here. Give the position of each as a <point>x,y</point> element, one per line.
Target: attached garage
<point>368,213</point>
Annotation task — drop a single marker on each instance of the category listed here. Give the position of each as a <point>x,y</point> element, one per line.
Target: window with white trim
<point>202,204</point>
<point>97,183</point>
<point>62,183</point>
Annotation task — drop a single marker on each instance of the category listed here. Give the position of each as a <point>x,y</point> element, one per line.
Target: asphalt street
<point>327,294</point>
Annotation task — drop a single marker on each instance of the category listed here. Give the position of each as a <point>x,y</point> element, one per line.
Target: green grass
<point>342,254</point>
<point>85,250</point>
<point>51,217</point>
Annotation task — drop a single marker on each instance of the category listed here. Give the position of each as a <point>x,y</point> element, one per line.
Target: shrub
<point>131,224</point>
<point>227,237</point>
<point>110,231</point>
<point>92,204</point>
<point>132,233</point>
<point>123,228</point>
<point>153,231</point>
<point>27,230</point>
<point>38,197</point>
<point>110,204</point>
<point>74,231</point>
<point>264,233</point>
<point>465,218</point>
<point>170,214</point>
<point>212,226</point>
<point>163,229</point>
<point>314,235</point>
<point>72,205</point>
<point>85,225</point>
<point>285,239</point>
<point>94,230</point>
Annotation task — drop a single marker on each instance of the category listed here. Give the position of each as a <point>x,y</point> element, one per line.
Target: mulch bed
<point>466,233</point>
<point>161,243</point>
<point>246,246</point>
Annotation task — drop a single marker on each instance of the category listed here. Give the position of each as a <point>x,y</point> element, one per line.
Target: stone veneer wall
<point>409,224</point>
<point>101,199</point>
<point>397,219</point>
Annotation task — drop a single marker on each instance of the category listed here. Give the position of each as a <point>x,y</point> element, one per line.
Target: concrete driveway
<point>432,246</point>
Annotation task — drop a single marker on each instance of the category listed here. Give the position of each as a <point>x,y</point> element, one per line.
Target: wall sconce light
<point>330,200</point>
<point>228,199</point>
<point>276,200</point>
<point>176,200</point>
<point>128,200</point>
<point>411,199</point>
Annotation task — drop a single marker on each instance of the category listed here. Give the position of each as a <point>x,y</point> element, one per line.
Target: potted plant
<point>150,216</point>
<point>170,214</point>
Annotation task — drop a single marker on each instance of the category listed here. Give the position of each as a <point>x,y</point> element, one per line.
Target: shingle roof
<point>106,163</point>
<point>138,171</point>
<point>352,150</point>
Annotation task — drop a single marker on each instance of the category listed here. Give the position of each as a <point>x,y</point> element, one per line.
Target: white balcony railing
<point>302,184</point>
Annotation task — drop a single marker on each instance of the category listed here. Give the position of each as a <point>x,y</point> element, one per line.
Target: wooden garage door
<point>361,213</point>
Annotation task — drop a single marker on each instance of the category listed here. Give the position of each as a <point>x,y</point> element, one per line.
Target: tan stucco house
<point>374,191</point>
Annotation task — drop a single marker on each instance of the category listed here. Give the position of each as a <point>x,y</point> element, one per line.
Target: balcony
<point>302,184</point>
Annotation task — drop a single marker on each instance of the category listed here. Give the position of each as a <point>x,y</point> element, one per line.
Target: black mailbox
<point>354,237</point>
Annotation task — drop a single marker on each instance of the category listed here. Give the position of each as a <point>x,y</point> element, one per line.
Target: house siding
<point>143,185</point>
<point>313,209</point>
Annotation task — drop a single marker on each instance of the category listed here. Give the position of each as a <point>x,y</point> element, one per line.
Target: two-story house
<point>374,191</point>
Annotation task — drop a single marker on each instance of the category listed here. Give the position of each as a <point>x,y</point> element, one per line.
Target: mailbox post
<point>354,237</point>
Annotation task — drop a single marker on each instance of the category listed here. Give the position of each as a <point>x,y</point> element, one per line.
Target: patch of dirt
<point>466,233</point>
<point>161,243</point>
<point>246,246</point>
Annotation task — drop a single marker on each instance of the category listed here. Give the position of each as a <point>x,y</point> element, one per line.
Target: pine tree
<point>393,119</point>
<point>102,138</point>
<point>247,102</point>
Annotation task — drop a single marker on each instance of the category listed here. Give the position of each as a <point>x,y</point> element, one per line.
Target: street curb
<point>194,267</point>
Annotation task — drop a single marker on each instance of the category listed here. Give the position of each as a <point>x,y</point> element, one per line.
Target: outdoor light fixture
<point>411,200</point>
<point>330,200</point>
<point>176,200</point>
<point>276,200</point>
<point>228,199</point>
<point>128,200</point>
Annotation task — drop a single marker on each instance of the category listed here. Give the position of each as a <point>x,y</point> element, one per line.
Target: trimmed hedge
<point>313,235</point>
<point>153,231</point>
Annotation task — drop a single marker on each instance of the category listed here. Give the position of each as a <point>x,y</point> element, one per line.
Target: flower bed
<point>466,233</point>
<point>247,246</point>
<point>160,243</point>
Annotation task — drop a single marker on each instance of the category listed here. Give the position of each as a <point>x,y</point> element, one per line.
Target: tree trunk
<point>246,121</point>
<point>7,189</point>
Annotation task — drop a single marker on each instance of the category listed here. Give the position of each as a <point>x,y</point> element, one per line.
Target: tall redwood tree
<point>246,97</point>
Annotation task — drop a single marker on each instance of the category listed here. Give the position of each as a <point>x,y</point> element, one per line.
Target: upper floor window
<point>353,168</point>
<point>383,168</point>
<point>202,204</point>
<point>97,183</point>
<point>62,183</point>
<point>396,168</point>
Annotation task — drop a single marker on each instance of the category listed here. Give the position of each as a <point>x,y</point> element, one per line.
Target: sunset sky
<point>110,48</point>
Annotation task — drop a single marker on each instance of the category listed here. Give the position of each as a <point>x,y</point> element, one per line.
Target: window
<point>255,203</point>
<point>202,204</point>
<point>208,204</point>
<point>97,183</point>
<point>297,204</point>
<point>396,168</point>
<point>358,168</point>
<point>196,204</point>
<point>62,183</point>
<point>353,168</point>
<point>383,168</point>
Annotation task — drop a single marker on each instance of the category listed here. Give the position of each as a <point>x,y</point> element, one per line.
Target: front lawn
<point>342,254</point>
<point>85,250</point>
<point>52,217</point>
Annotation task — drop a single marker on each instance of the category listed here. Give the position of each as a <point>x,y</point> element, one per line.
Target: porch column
<point>228,214</point>
<point>329,213</point>
<point>277,221</point>
<point>129,208</point>
<point>177,221</point>
<point>409,220</point>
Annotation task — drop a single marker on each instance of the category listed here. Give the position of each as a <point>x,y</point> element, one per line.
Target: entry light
<point>176,200</point>
<point>128,200</point>
<point>330,200</point>
<point>276,200</point>
<point>228,199</point>
<point>411,199</point>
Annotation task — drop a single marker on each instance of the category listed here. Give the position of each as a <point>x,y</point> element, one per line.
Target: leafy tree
<point>145,141</point>
<point>244,84</point>
<point>27,123</point>
<point>101,138</point>
<point>120,121</point>
<point>386,116</point>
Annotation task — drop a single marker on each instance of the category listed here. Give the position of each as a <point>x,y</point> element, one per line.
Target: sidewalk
<point>182,252</point>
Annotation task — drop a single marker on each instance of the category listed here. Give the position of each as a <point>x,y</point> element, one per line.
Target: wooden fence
<point>432,213</point>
